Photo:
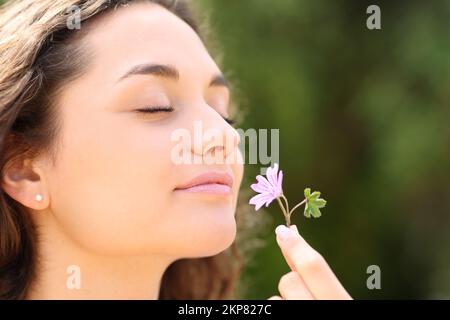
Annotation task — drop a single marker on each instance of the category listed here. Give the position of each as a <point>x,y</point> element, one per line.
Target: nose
<point>215,141</point>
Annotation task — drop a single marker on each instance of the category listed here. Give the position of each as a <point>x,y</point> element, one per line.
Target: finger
<point>292,287</point>
<point>275,298</point>
<point>280,234</point>
<point>311,266</point>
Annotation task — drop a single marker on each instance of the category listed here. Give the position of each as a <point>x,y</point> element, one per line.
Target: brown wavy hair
<point>39,54</point>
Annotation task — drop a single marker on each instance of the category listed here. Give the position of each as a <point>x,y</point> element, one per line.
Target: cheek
<point>110,189</point>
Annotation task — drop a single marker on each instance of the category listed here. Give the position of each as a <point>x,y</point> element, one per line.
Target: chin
<point>212,237</point>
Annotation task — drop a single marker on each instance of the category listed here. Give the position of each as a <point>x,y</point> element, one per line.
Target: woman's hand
<point>311,277</point>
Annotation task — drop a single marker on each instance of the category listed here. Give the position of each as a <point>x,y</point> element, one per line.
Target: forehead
<point>145,32</point>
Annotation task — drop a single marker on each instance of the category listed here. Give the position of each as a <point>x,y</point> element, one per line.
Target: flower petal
<point>258,187</point>
<point>280,183</point>
<point>264,183</point>
<point>269,200</point>
<point>259,200</point>
<point>272,175</point>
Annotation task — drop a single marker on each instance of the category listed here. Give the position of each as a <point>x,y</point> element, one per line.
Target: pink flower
<point>269,188</point>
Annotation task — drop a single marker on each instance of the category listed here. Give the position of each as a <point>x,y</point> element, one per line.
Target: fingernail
<point>294,227</point>
<point>284,233</point>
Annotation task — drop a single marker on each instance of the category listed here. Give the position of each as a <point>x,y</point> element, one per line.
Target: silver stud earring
<point>39,197</point>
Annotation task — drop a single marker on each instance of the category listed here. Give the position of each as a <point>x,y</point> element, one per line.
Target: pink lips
<point>210,182</point>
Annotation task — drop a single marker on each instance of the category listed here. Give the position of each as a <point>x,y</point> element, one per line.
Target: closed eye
<point>157,109</point>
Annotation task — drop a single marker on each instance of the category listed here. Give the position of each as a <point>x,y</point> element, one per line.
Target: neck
<point>67,271</point>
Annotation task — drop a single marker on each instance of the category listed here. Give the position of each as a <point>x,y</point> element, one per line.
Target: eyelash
<point>170,109</point>
<point>155,109</point>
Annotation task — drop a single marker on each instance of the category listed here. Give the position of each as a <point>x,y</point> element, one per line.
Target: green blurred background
<point>363,117</point>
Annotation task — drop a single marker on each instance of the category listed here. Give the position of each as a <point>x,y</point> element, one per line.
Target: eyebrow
<point>169,72</point>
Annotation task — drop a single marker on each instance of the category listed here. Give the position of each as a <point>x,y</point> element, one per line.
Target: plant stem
<point>298,205</point>
<point>285,213</point>
<point>286,201</point>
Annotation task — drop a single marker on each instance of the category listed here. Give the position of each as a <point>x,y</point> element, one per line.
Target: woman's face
<point>112,189</point>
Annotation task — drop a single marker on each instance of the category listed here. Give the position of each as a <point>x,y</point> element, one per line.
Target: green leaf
<point>307,212</point>
<point>313,204</point>
<point>307,192</point>
<point>315,195</point>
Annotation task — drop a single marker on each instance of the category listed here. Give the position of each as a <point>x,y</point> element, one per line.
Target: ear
<point>23,180</point>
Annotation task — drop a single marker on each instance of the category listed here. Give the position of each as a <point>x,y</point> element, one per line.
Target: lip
<point>209,182</point>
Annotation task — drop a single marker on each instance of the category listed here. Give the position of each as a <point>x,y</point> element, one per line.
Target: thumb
<point>309,264</point>
<point>295,249</point>
<point>286,239</point>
